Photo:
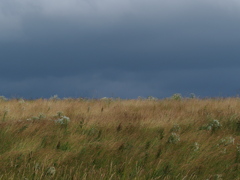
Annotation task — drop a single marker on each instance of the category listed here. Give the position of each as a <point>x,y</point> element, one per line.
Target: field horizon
<point>112,138</point>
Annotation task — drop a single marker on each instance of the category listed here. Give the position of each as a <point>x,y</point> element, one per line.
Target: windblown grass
<point>120,139</point>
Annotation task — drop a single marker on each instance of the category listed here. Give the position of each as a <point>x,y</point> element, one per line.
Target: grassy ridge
<point>120,139</point>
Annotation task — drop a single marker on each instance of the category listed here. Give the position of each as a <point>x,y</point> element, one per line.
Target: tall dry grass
<point>120,139</point>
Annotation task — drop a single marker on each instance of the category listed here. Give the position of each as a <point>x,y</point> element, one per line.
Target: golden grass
<point>120,139</point>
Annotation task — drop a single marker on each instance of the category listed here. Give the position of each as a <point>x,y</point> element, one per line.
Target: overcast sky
<point>119,48</point>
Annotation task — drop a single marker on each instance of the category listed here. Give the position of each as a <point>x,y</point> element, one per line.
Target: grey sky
<point>127,48</point>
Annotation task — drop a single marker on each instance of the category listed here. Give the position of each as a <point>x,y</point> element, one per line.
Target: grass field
<point>75,139</point>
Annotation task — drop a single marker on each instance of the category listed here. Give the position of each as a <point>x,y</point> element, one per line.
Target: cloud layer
<point>125,48</point>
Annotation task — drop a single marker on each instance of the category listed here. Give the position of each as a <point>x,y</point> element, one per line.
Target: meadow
<point>77,139</point>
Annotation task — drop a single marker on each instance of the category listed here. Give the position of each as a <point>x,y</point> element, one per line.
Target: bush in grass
<point>192,96</point>
<point>213,126</point>
<point>41,116</point>
<point>106,99</point>
<point>173,138</point>
<point>63,120</point>
<point>226,141</point>
<point>21,101</point>
<point>196,147</point>
<point>151,98</point>
<point>177,97</point>
<point>51,171</point>
<point>60,114</point>
<point>55,97</point>
<point>3,98</point>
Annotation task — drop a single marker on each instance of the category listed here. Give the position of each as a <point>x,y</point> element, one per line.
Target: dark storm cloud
<point>121,48</point>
